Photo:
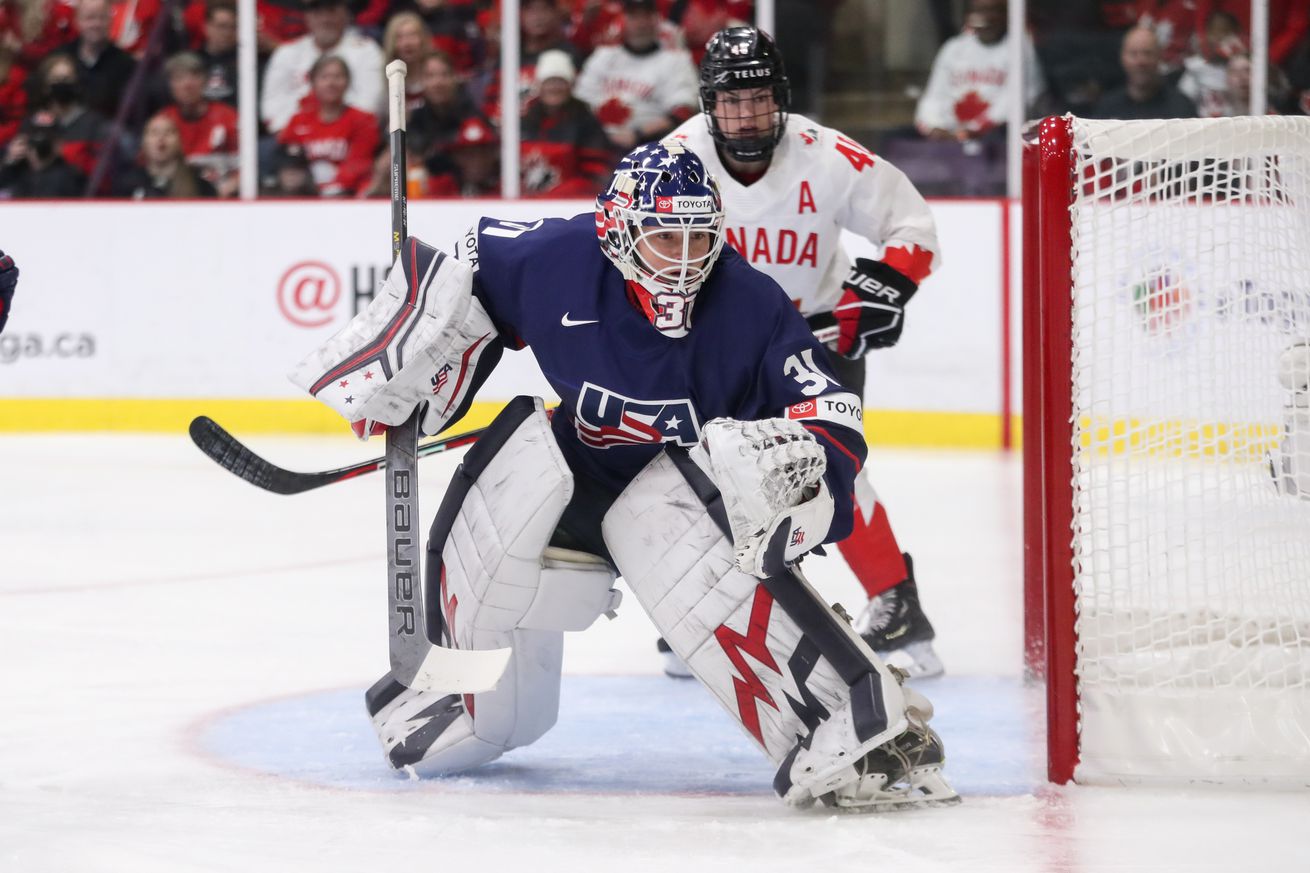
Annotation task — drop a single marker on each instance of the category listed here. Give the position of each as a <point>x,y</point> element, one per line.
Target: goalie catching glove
<point>770,476</point>
<point>871,312</point>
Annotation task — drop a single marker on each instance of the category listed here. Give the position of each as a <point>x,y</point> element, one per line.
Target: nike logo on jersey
<point>606,419</point>
<point>569,322</point>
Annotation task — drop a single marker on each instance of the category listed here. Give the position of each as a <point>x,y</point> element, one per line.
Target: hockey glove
<point>417,344</point>
<point>8,281</point>
<point>871,312</point>
<point>770,476</point>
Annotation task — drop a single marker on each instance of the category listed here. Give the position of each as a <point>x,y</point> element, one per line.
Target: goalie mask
<point>661,223</point>
<point>744,92</point>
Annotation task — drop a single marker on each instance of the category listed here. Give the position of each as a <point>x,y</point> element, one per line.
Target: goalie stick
<point>418,660</point>
<point>238,459</point>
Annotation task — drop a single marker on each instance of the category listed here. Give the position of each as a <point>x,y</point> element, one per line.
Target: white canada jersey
<point>625,90</point>
<point>967,91</point>
<point>788,223</point>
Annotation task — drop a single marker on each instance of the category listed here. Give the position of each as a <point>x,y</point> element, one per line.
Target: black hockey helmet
<point>738,58</point>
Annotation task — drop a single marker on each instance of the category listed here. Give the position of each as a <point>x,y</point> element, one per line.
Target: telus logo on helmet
<point>755,73</point>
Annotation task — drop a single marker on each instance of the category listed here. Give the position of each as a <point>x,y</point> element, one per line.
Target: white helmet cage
<point>659,199</point>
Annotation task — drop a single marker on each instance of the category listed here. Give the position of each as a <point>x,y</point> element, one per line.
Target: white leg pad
<point>781,662</point>
<point>498,584</point>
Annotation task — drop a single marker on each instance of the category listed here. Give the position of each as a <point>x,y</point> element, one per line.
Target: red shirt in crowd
<point>1289,21</point>
<point>700,20</point>
<point>281,22</point>
<point>213,133</point>
<point>130,24</point>
<point>340,152</point>
<point>59,29</point>
<point>13,104</point>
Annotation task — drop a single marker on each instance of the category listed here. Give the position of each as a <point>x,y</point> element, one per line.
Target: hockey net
<point>1167,270</point>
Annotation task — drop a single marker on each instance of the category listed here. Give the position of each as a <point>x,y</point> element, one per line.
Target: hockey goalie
<point>701,448</point>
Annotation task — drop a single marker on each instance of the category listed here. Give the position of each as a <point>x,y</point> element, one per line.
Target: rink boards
<point>138,316</point>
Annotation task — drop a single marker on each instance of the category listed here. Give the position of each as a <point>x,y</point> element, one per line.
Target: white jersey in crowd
<point>1205,83</point>
<point>286,80</point>
<point>966,89</point>
<point>626,90</point>
<point>788,223</point>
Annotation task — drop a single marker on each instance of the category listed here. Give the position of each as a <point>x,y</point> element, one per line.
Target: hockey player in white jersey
<point>790,186</point>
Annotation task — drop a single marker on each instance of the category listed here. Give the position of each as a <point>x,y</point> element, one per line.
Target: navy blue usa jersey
<point>625,388</point>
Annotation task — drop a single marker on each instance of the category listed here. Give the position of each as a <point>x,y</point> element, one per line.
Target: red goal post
<point>1167,448</point>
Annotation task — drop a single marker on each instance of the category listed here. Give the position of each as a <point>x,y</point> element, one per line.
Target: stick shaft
<point>409,638</point>
<point>396,124</point>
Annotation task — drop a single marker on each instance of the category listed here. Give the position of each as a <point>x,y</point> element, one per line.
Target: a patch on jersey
<point>842,409</point>
<point>809,135</point>
<point>606,419</point>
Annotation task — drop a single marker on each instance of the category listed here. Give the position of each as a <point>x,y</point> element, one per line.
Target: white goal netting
<point>1191,279</point>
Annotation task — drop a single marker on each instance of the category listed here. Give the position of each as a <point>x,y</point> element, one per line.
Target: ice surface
<point>182,659</point>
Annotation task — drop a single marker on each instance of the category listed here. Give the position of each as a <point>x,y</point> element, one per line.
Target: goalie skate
<point>901,774</point>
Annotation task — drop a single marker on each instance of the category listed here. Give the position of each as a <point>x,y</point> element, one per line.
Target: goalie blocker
<point>425,340</point>
<point>834,721</point>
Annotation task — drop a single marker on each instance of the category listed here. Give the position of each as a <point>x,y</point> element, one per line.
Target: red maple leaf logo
<point>970,108</point>
<point>613,112</point>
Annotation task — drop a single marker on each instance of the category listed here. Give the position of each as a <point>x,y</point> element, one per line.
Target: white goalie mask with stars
<point>661,223</point>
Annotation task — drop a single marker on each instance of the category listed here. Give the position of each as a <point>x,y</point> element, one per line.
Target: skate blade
<point>927,789</point>
<point>675,667</point>
<point>902,805</point>
<point>918,660</point>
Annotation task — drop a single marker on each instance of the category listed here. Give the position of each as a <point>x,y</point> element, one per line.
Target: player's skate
<point>903,773</point>
<point>674,667</point>
<point>894,626</point>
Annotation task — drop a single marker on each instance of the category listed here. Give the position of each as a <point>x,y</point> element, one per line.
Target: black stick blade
<point>228,452</point>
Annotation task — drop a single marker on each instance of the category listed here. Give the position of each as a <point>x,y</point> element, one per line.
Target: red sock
<point>871,550</point>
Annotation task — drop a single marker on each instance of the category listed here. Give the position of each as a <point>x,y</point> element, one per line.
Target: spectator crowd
<point>137,98</point>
